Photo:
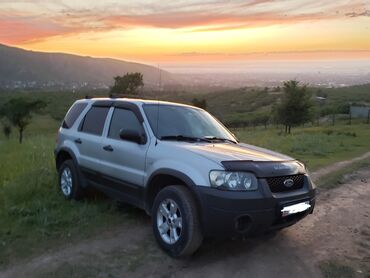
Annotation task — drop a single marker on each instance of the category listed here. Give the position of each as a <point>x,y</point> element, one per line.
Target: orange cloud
<point>16,30</point>
<point>206,22</point>
<point>198,16</point>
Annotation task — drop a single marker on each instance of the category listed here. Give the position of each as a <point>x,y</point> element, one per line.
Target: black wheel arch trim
<point>171,172</point>
<point>74,159</point>
<point>67,150</point>
<point>189,183</point>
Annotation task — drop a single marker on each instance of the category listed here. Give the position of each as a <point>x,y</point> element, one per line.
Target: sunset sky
<point>191,31</point>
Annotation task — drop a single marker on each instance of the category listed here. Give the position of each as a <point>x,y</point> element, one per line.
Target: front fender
<point>190,174</point>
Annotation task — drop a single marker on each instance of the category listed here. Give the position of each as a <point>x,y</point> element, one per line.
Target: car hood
<point>243,157</point>
<point>230,152</point>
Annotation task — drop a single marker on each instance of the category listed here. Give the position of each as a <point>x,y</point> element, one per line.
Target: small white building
<point>359,111</point>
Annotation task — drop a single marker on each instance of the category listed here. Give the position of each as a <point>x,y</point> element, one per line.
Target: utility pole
<point>160,79</point>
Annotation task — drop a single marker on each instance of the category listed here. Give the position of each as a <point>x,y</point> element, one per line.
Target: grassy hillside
<point>315,146</point>
<point>238,106</point>
<point>231,106</point>
<point>21,65</point>
<point>353,94</point>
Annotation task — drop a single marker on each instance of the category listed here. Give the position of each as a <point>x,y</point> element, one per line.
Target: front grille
<point>276,184</point>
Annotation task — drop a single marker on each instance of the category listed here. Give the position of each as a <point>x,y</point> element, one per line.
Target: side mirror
<point>132,136</point>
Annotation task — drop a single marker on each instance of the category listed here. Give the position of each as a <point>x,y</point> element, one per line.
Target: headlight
<point>237,181</point>
<point>313,185</point>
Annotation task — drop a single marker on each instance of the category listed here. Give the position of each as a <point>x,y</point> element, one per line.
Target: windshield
<point>176,120</point>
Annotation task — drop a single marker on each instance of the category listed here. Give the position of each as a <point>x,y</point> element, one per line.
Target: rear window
<point>73,114</point>
<point>94,120</point>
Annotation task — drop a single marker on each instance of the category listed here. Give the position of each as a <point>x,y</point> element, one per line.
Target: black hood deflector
<point>263,169</point>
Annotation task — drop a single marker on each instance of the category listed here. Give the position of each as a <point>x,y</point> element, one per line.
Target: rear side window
<point>123,119</point>
<point>73,114</point>
<point>94,120</point>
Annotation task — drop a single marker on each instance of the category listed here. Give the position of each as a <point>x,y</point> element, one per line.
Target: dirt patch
<point>338,230</point>
<point>337,166</point>
<point>340,227</point>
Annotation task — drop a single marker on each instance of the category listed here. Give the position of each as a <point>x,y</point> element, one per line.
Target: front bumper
<point>227,213</point>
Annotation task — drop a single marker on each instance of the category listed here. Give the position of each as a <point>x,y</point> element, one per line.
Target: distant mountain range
<point>21,68</point>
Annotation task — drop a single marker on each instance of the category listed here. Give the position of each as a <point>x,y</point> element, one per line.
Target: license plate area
<point>296,208</point>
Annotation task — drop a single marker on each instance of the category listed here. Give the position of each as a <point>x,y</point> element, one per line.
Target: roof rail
<point>116,96</point>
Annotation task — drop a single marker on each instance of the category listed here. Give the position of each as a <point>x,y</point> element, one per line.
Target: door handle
<point>108,148</point>
<point>78,141</point>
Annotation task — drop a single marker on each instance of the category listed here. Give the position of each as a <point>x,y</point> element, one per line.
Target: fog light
<point>243,223</point>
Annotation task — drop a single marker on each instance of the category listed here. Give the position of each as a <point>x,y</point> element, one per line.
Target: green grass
<point>332,269</point>
<point>32,211</point>
<point>316,146</point>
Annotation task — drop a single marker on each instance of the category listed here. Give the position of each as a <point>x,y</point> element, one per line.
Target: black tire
<point>191,236</point>
<point>76,192</point>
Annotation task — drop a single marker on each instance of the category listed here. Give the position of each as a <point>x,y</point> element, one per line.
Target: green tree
<point>201,103</point>
<point>127,84</point>
<point>18,112</point>
<point>295,106</point>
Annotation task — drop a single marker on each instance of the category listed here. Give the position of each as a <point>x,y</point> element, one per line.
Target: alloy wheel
<point>66,181</point>
<point>169,221</point>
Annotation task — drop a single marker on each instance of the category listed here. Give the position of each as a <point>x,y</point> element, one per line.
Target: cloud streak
<point>365,13</point>
<point>63,18</point>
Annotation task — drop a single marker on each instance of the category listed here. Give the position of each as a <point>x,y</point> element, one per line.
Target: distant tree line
<point>294,108</point>
<point>297,105</point>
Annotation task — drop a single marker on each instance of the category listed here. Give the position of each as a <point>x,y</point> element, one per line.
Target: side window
<point>73,114</point>
<point>94,120</point>
<point>123,119</point>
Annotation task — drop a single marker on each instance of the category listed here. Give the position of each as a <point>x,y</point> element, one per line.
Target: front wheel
<point>176,223</point>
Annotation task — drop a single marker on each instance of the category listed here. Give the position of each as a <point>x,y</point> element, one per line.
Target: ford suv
<point>183,167</point>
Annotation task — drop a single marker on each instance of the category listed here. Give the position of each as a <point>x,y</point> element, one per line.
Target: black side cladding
<point>264,169</point>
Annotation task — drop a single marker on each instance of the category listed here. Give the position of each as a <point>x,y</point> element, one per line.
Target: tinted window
<point>94,120</point>
<point>73,114</point>
<point>170,120</point>
<point>123,119</point>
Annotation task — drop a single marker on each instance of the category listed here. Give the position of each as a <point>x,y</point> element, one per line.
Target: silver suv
<point>183,167</point>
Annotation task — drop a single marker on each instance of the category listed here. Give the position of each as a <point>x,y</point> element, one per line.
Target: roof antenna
<point>157,127</point>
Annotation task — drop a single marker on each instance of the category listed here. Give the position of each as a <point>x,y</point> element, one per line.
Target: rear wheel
<point>68,181</point>
<point>176,223</point>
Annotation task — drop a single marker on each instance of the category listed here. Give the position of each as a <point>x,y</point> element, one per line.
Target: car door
<point>123,162</point>
<point>89,139</point>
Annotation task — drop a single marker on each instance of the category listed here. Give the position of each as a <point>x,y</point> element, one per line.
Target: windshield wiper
<point>185,138</point>
<point>220,139</point>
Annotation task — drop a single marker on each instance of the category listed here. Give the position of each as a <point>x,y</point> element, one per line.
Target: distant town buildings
<point>73,86</point>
